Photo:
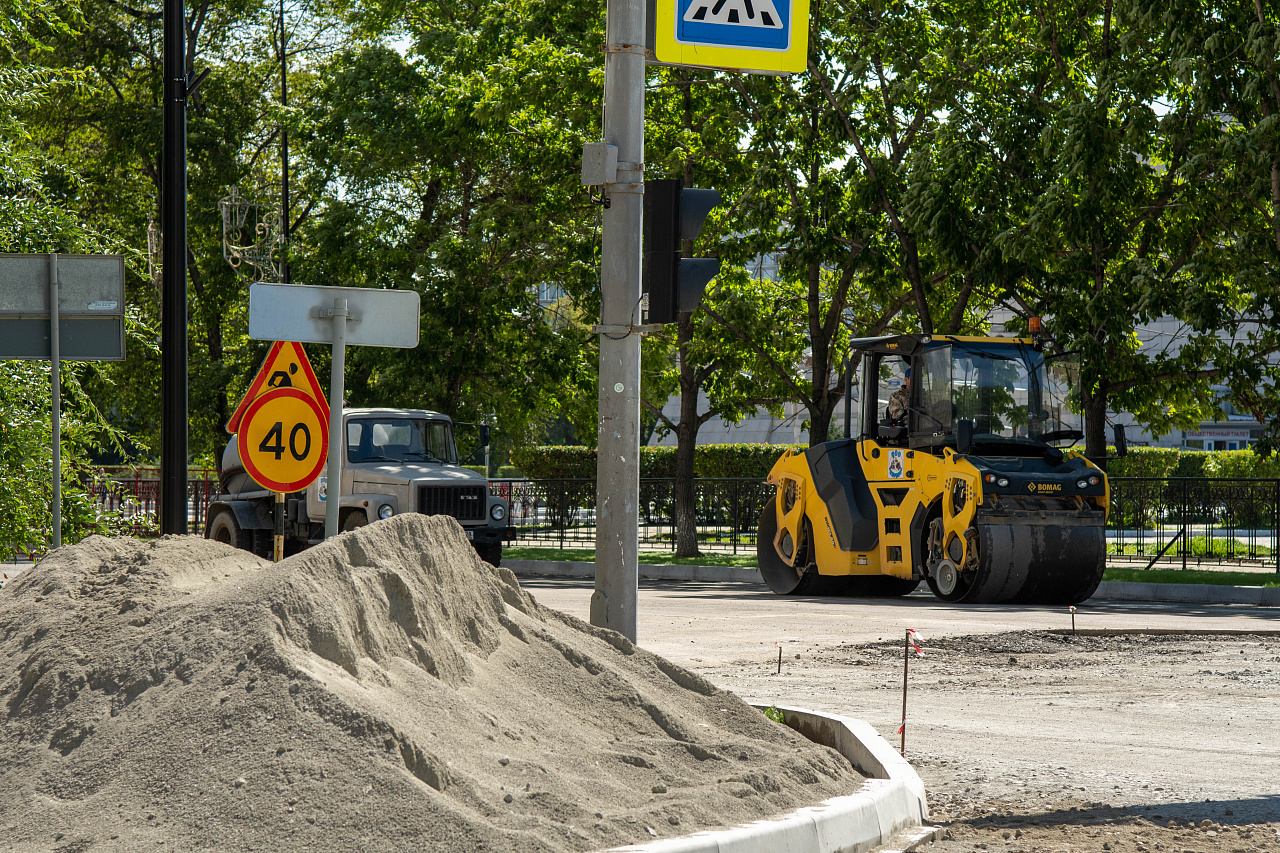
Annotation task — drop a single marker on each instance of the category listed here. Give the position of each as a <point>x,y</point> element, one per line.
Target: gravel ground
<point>1045,741</point>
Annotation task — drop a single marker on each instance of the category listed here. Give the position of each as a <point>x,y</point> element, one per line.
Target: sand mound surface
<point>385,690</point>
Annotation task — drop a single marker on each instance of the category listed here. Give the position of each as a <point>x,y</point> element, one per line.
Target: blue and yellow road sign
<point>759,36</point>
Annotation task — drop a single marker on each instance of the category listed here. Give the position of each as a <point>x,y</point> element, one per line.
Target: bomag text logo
<point>1044,488</point>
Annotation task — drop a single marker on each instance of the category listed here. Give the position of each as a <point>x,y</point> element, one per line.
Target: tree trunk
<point>686,444</point>
<point>1095,424</point>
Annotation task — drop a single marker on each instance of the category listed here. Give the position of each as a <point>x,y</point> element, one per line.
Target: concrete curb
<point>892,801</point>
<point>657,572</point>
<point>1187,593</point>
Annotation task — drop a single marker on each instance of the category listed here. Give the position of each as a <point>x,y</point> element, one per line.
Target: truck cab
<point>394,461</point>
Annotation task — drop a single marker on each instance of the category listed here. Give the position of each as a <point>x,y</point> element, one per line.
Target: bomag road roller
<point>955,469</point>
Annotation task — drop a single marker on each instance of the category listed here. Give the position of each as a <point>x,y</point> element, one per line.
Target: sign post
<point>339,316</point>
<point>55,381</point>
<point>59,308</point>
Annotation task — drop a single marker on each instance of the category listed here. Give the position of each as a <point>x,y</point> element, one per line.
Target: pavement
<point>1107,590</point>
<point>700,623</point>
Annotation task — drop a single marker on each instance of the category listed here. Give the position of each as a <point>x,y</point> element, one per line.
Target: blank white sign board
<point>296,312</point>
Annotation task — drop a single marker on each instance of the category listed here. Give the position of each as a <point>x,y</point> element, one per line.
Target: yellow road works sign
<point>286,366</point>
<point>283,439</point>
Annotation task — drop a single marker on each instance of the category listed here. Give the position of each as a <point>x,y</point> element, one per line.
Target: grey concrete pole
<point>55,357</point>
<point>613,604</point>
<point>333,493</point>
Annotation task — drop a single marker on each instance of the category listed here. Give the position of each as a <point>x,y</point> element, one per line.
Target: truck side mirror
<point>1121,441</point>
<point>964,437</point>
<point>484,435</point>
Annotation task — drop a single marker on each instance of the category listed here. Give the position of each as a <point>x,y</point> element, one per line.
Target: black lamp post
<point>173,329</point>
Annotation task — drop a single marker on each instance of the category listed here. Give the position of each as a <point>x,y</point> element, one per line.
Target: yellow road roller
<point>957,468</point>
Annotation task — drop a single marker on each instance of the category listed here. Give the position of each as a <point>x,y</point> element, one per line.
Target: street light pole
<point>173,327</point>
<point>613,604</point>
<point>284,156</point>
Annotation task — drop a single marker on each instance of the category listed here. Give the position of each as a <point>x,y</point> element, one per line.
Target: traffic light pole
<point>613,604</point>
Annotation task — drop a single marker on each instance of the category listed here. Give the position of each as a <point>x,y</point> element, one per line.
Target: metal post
<point>278,549</point>
<point>284,157</point>
<point>613,604</point>
<point>1186,510</point>
<point>848,398</point>
<point>173,326</point>
<point>333,489</point>
<point>55,357</point>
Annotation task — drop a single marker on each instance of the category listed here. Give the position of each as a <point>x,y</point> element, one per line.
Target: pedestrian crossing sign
<point>758,36</point>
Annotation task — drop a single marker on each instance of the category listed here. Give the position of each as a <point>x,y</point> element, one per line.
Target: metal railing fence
<point>1183,522</point>
<point>134,493</point>
<point>1189,522</point>
<point>1154,522</point>
<point>562,513</point>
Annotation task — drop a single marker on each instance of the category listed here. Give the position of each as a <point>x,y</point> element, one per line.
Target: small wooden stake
<point>279,537</point>
<point>906,663</point>
<point>779,660</point>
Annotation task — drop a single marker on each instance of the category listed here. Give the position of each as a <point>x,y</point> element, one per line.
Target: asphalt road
<point>710,623</point>
<point>1162,709</point>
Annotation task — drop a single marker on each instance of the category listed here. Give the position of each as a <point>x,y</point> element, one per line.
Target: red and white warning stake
<point>914,641</point>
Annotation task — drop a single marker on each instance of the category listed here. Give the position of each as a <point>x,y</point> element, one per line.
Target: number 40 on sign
<point>283,439</point>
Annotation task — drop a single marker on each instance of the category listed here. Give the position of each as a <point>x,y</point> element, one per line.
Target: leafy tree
<point>102,140</point>
<point>1118,215</point>
<point>455,174</point>
<point>33,220</point>
<point>830,154</point>
<point>1226,56</point>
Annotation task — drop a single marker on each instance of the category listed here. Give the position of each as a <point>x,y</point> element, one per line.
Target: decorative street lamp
<point>252,237</point>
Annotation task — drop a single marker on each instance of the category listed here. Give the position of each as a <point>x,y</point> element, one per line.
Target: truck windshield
<point>1011,391</point>
<point>386,439</point>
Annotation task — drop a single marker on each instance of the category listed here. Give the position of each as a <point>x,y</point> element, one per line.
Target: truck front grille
<point>465,503</point>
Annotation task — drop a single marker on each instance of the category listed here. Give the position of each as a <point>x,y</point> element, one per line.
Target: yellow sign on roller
<point>283,439</point>
<point>757,36</point>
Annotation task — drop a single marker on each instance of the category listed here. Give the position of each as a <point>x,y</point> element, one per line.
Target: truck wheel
<point>490,552</point>
<point>227,530</point>
<point>351,519</point>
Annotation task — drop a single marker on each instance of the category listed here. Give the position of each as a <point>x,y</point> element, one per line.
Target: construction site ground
<point>1156,727</point>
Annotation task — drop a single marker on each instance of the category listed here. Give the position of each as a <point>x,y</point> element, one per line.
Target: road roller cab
<point>966,481</point>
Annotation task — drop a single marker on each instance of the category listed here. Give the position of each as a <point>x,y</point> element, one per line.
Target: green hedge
<point>1173,462</point>
<point>752,461</point>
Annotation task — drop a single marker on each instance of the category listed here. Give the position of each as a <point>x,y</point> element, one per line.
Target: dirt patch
<point>1049,742</point>
<point>381,691</point>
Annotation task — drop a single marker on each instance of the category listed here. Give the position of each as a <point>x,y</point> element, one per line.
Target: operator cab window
<point>400,440</point>
<point>893,379</point>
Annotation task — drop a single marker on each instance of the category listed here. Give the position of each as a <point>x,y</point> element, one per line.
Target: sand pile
<point>385,690</point>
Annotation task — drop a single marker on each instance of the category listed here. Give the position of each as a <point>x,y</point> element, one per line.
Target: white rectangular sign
<point>296,312</point>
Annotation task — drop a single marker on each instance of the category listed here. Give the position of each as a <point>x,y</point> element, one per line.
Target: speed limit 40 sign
<point>283,439</point>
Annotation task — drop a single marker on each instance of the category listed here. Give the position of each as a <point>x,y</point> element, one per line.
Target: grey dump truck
<point>394,461</point>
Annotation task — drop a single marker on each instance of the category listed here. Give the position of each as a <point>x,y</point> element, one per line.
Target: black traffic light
<point>673,214</point>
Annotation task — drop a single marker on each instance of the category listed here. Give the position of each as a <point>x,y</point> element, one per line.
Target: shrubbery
<point>713,461</point>
<point>1173,462</point>
<point>753,461</point>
